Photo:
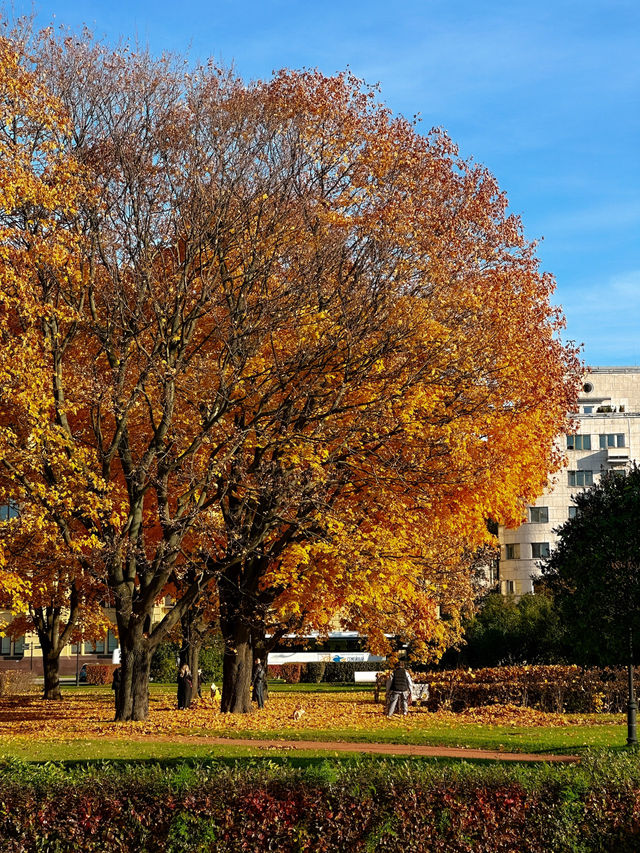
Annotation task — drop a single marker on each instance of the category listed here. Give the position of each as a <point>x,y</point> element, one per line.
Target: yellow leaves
<point>89,714</point>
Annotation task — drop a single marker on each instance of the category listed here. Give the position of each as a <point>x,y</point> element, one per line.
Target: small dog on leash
<point>297,713</point>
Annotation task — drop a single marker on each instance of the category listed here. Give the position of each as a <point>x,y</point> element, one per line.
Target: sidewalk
<point>408,749</point>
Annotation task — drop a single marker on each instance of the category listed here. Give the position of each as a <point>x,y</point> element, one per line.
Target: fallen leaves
<point>90,714</point>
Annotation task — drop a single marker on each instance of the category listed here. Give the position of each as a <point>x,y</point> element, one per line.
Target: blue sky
<point>546,94</point>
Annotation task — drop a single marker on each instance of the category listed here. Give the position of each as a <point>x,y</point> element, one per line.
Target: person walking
<point>257,682</point>
<point>185,687</point>
<point>399,690</point>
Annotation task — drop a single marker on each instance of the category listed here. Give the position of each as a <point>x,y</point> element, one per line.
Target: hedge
<point>361,806</point>
<point>100,673</point>
<point>571,689</point>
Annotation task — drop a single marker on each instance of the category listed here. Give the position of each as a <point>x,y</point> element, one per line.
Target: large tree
<point>309,351</point>
<point>46,544</point>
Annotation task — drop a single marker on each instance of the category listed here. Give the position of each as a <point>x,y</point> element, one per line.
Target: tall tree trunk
<point>135,662</point>
<point>51,666</point>
<point>194,663</point>
<point>237,668</point>
<point>193,630</point>
<point>47,624</point>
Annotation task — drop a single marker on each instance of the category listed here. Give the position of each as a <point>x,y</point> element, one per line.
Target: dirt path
<point>370,748</point>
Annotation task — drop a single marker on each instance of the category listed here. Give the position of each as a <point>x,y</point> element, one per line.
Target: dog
<point>214,691</point>
<point>297,713</point>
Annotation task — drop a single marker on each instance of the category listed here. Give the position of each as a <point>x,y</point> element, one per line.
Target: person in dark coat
<point>399,691</point>
<point>257,682</point>
<point>115,686</point>
<point>185,687</point>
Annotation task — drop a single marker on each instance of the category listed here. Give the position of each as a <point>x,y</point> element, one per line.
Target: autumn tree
<point>47,574</point>
<point>310,353</point>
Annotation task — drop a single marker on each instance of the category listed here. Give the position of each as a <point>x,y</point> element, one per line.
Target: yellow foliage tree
<point>308,350</point>
<point>48,541</point>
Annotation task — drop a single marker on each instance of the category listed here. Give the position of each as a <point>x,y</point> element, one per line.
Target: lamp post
<point>632,706</point>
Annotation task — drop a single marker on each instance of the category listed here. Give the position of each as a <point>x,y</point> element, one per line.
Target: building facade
<point>606,438</point>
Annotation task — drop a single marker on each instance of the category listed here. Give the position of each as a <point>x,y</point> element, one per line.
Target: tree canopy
<point>594,570</point>
<point>299,351</point>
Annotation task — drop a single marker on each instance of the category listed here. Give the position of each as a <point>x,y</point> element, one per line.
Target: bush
<point>164,666</point>
<point>548,688</point>
<point>100,673</point>
<point>342,671</point>
<point>313,672</point>
<point>291,672</point>
<point>211,658</point>
<point>16,682</point>
<point>359,806</point>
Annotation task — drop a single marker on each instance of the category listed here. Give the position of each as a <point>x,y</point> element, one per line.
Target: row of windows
<point>580,478</point>
<point>101,647</point>
<point>539,551</point>
<point>605,440</point>
<point>540,514</point>
<point>9,647</point>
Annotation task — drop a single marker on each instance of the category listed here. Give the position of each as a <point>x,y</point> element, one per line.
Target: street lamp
<point>632,705</point>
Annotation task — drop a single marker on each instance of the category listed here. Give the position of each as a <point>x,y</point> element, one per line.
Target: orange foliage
<point>303,353</point>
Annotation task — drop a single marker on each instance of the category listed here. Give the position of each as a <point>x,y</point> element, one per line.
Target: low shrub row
<point>100,673</point>
<point>363,806</point>
<point>571,689</point>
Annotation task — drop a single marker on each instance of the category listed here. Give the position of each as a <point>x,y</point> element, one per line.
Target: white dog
<point>297,713</point>
<point>214,691</point>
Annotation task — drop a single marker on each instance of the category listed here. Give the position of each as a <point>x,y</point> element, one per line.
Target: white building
<point>607,437</point>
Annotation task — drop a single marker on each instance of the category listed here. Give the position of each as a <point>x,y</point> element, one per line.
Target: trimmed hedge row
<point>100,673</point>
<point>363,806</point>
<point>571,689</point>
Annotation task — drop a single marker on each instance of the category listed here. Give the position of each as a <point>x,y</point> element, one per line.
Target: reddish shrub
<point>100,673</point>
<point>291,672</point>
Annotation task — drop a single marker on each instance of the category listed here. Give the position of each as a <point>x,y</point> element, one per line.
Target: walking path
<point>415,750</point>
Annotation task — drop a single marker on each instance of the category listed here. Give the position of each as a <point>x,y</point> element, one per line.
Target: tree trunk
<point>237,668</point>
<point>135,662</point>
<point>51,665</point>
<point>194,662</point>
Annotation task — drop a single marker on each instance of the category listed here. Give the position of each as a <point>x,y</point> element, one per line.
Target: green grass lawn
<point>431,731</point>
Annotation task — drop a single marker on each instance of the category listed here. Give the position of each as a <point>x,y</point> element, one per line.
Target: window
<point>8,511</point>
<point>512,551</point>
<point>611,440</point>
<point>509,587</point>
<point>573,511</point>
<point>587,410</point>
<point>578,442</point>
<point>11,648</point>
<point>580,478</point>
<point>539,514</point>
<point>539,550</point>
